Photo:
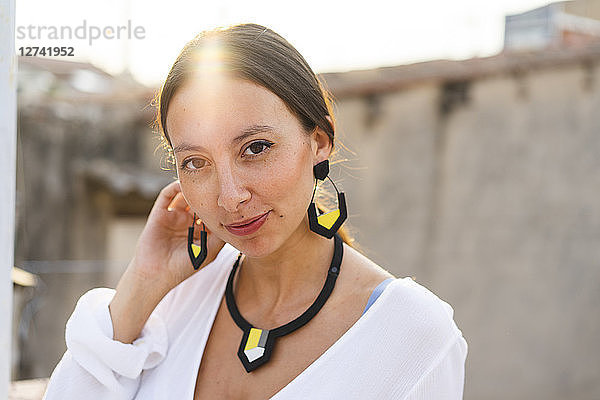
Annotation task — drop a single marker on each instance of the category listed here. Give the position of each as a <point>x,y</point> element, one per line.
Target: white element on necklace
<point>254,353</point>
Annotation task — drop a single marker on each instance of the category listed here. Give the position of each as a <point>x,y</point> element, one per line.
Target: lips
<point>245,222</point>
<point>250,227</point>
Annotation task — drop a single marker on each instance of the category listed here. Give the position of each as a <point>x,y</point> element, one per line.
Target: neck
<point>286,280</point>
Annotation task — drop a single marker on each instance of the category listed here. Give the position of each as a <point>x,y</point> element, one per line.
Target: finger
<point>167,194</point>
<point>178,203</point>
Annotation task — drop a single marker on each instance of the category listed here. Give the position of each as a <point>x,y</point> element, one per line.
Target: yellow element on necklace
<point>255,345</point>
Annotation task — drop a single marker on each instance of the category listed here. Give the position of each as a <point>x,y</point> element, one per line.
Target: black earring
<point>326,224</point>
<point>197,253</point>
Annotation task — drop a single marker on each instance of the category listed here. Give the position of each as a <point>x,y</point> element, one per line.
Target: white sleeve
<point>96,366</point>
<point>445,380</point>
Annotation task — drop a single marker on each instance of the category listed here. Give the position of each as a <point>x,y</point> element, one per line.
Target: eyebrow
<point>246,132</point>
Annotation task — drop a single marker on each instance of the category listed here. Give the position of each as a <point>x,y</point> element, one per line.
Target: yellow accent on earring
<point>196,249</point>
<point>253,338</point>
<point>327,220</point>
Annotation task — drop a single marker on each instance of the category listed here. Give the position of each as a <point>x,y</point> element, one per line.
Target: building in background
<point>479,178</point>
<point>565,23</point>
<point>87,176</point>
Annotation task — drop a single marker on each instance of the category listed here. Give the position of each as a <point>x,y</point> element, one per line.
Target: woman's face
<point>240,154</point>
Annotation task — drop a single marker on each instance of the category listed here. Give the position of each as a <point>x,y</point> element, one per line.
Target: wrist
<point>147,279</point>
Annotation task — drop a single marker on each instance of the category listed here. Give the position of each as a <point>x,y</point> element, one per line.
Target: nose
<point>231,192</point>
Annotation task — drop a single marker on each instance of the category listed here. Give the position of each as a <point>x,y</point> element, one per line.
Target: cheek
<point>196,198</point>
<point>288,180</point>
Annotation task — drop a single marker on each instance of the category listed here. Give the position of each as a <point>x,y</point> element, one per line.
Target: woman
<point>238,289</point>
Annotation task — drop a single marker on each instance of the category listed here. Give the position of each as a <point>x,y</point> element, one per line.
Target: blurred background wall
<point>88,174</point>
<point>479,178</point>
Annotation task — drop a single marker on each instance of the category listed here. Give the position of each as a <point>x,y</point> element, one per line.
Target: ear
<point>321,144</point>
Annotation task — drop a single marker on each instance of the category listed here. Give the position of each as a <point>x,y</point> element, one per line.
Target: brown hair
<point>257,54</point>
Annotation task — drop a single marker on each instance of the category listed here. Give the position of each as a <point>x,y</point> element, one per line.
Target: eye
<point>257,147</point>
<point>193,164</point>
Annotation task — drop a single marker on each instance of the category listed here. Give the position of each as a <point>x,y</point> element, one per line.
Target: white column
<point>8,135</point>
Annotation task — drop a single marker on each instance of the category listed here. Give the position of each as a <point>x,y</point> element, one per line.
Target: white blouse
<point>406,346</point>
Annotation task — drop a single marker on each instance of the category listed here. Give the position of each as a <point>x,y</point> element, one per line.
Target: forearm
<point>134,301</point>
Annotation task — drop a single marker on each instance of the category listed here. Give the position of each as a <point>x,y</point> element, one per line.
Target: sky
<point>331,35</point>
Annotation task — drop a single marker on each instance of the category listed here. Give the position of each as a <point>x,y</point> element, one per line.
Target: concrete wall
<point>67,204</point>
<point>487,193</point>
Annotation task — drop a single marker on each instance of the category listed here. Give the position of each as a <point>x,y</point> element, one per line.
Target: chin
<point>255,247</point>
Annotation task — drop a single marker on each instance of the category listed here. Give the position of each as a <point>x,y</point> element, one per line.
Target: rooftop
<point>387,79</point>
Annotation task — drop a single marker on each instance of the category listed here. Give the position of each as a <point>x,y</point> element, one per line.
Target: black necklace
<point>257,344</point>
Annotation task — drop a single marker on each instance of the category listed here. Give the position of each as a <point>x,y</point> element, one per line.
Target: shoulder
<point>420,333</point>
<point>416,319</point>
<point>403,302</point>
<point>417,338</point>
<point>359,275</point>
<point>405,294</point>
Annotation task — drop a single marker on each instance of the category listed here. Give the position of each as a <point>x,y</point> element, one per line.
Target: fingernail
<point>169,208</point>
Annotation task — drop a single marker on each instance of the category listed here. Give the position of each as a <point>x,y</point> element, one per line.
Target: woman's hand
<point>161,254</point>
<point>160,263</point>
